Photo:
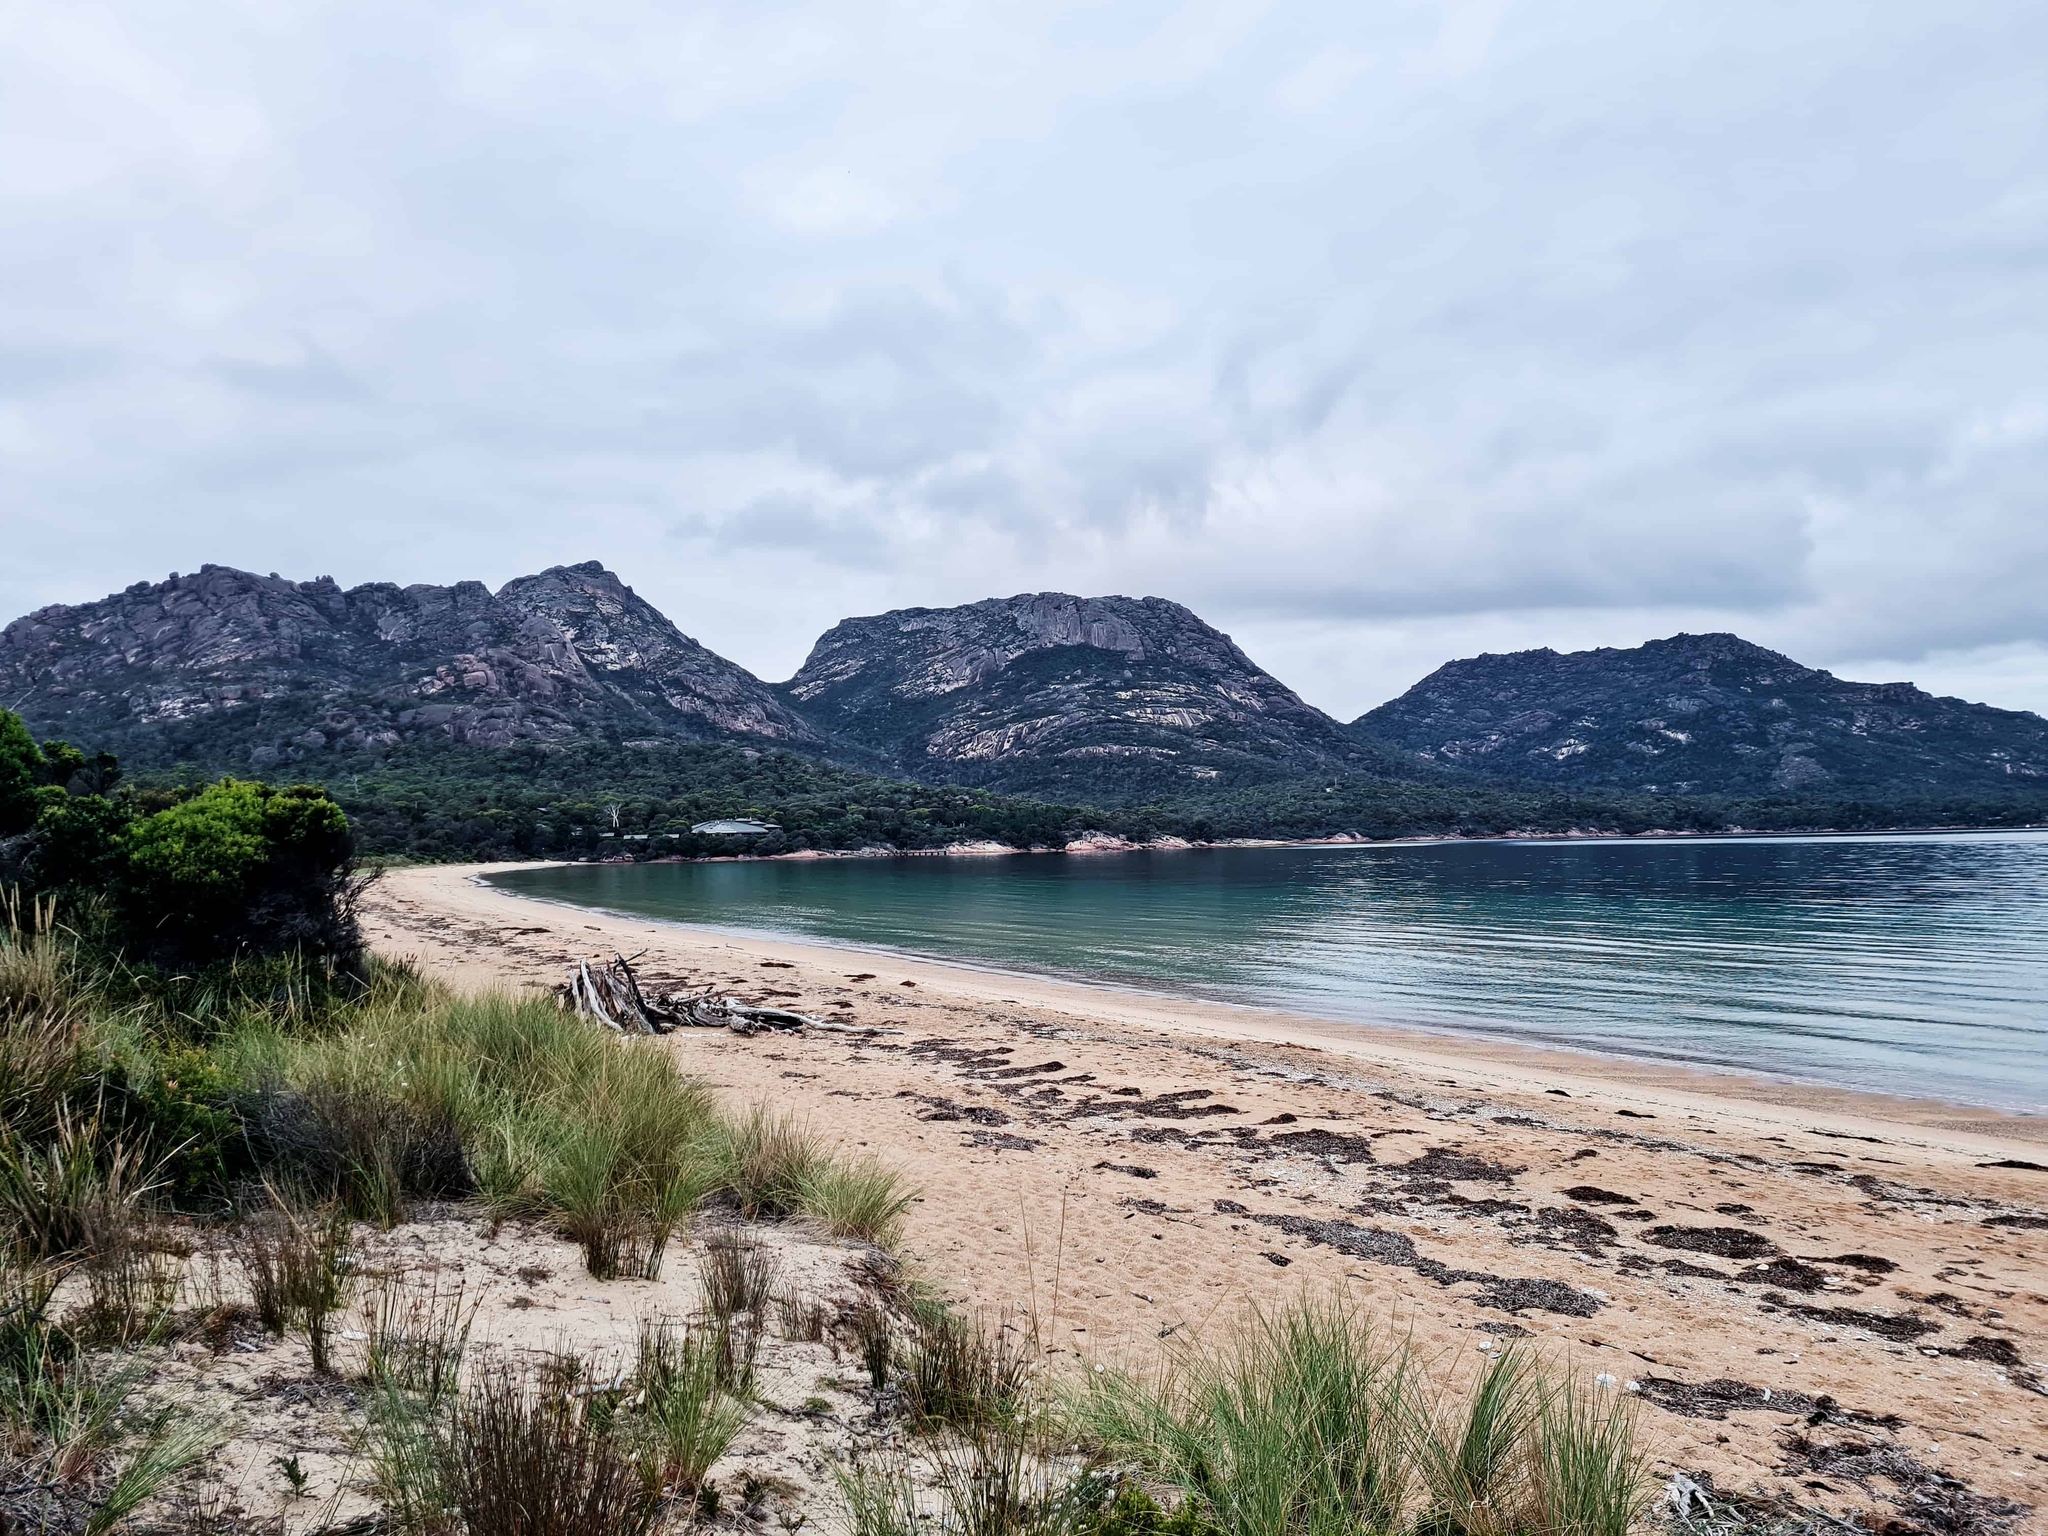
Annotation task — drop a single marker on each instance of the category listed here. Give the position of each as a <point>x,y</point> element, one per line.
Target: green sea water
<point>1915,965</point>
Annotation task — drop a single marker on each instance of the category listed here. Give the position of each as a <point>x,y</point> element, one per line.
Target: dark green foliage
<point>190,1107</point>
<point>78,840</point>
<point>1127,1510</point>
<point>360,1146</point>
<point>21,773</point>
<point>65,767</point>
<point>239,867</point>
<point>454,803</point>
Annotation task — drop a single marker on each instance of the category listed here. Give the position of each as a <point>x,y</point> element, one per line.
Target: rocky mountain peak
<point>1058,694</point>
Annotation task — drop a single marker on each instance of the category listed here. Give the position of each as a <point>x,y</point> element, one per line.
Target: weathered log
<point>610,993</point>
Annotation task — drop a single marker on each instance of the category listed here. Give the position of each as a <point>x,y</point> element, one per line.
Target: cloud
<point>1375,333</point>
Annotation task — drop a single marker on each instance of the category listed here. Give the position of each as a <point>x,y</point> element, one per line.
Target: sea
<point>1906,964</point>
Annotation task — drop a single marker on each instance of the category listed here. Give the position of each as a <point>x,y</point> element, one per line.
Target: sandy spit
<point>1780,1272</point>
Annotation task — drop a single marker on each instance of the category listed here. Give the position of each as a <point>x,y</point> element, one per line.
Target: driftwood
<point>609,992</point>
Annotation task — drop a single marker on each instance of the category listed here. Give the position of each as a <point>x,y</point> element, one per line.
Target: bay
<point>1911,964</point>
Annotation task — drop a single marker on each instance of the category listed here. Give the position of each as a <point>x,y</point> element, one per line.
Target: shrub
<point>76,842</point>
<point>21,773</point>
<point>240,867</point>
<point>360,1144</point>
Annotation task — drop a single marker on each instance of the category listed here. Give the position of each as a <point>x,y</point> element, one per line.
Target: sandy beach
<point>1802,1284</point>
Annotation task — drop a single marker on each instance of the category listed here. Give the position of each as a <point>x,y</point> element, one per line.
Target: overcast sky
<point>1378,334</point>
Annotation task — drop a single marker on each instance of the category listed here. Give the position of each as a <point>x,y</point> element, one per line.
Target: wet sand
<point>1783,1273</point>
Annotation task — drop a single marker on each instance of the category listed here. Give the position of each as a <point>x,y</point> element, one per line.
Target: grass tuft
<point>522,1458</point>
<point>738,1275</point>
<point>861,1199</point>
<point>690,1415</point>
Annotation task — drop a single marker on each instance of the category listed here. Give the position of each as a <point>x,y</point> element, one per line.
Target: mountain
<point>236,670</point>
<point>1105,698</point>
<point>1707,714</point>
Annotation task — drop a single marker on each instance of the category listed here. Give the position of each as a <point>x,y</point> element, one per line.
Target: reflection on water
<point>1915,965</point>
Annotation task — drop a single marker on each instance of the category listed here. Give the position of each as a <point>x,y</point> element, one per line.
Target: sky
<point>1377,334</point>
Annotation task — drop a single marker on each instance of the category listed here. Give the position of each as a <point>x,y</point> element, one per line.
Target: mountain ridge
<point>1086,700</point>
<point>223,662</point>
<point>1704,714</point>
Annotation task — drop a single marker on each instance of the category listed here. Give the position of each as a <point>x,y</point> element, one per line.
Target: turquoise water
<point>1911,964</point>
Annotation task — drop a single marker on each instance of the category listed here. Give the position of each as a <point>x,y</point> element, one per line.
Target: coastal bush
<point>239,867</point>
<point>21,774</point>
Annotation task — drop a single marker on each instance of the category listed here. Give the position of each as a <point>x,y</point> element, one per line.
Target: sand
<point>1781,1273</point>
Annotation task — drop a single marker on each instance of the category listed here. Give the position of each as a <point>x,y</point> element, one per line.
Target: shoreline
<point>1743,1255</point>
<point>1415,1044</point>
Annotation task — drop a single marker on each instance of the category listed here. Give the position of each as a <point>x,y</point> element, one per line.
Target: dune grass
<point>1306,1419</point>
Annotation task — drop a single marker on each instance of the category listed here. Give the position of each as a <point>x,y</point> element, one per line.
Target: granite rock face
<point>226,667</point>
<point>1707,714</point>
<point>1085,697</point>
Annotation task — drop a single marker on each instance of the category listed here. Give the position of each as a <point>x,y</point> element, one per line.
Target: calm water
<point>1914,965</point>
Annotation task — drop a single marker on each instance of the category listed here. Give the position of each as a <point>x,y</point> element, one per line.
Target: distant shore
<point>1105,843</point>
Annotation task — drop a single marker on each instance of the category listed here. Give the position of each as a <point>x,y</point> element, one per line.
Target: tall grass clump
<point>426,1095</point>
<point>1590,1478</point>
<point>299,1265</point>
<point>523,1458</point>
<point>76,1451</point>
<point>691,1412</point>
<point>771,1159</point>
<point>46,997</point>
<point>1298,1422</point>
<point>957,1374</point>
<point>738,1275</point>
<point>1305,1419</point>
<point>860,1198</point>
<point>416,1333</point>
